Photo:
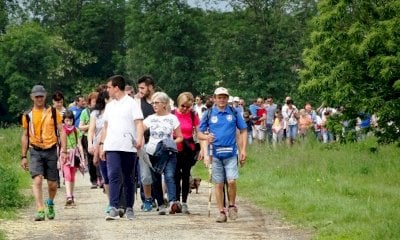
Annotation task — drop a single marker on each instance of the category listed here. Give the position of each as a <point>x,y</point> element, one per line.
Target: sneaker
<point>162,210</point>
<point>107,209</point>
<point>221,217</point>
<point>173,208</point>
<point>185,209</point>
<point>232,212</point>
<point>50,211</point>
<point>147,205</point>
<point>69,201</point>
<point>94,186</point>
<point>121,212</point>
<point>113,214</point>
<point>39,216</point>
<point>129,213</point>
<point>179,207</point>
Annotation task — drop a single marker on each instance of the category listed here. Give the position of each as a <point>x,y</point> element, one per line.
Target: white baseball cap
<point>221,90</point>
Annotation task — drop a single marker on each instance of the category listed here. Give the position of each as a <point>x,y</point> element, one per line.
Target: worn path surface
<point>87,221</point>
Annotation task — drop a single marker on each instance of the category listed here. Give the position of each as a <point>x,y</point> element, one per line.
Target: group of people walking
<point>130,139</point>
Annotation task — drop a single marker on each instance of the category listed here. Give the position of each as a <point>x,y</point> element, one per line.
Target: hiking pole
<point>210,178</point>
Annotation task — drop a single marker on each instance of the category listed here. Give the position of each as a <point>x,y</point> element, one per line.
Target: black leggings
<point>182,173</point>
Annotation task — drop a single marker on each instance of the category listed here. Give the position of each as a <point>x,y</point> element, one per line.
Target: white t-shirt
<point>121,130</point>
<point>161,127</point>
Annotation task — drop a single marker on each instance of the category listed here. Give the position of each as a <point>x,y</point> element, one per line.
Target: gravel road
<point>87,221</point>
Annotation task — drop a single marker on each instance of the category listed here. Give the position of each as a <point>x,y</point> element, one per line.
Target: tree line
<point>340,52</point>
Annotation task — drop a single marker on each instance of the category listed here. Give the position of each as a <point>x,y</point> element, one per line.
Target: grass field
<point>339,191</point>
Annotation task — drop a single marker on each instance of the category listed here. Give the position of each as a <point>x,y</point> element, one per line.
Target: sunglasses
<point>184,106</point>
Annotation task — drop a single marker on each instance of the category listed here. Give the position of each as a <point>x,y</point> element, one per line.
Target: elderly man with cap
<point>218,128</point>
<point>39,136</point>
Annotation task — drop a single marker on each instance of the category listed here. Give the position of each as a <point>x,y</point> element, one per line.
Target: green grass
<point>339,191</point>
<point>13,179</point>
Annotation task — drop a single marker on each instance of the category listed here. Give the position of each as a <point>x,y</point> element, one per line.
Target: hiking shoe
<point>107,209</point>
<point>113,214</point>
<point>185,208</point>
<point>69,201</point>
<point>39,216</point>
<point>147,205</point>
<point>232,212</point>
<point>129,213</point>
<point>162,210</point>
<point>121,212</point>
<point>179,207</point>
<point>50,211</point>
<point>221,217</point>
<point>173,208</point>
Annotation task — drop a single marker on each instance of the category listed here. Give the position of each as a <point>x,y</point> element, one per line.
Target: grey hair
<point>162,97</point>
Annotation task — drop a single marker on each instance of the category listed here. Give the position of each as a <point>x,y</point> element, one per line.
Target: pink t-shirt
<point>186,125</point>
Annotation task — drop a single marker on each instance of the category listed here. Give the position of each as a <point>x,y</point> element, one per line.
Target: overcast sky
<point>213,4</point>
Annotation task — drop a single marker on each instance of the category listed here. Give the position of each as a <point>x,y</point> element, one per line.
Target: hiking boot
<point>50,210</point>
<point>121,212</point>
<point>173,208</point>
<point>147,205</point>
<point>39,216</point>
<point>185,208</point>
<point>129,213</point>
<point>162,210</point>
<point>221,217</point>
<point>232,212</point>
<point>113,214</point>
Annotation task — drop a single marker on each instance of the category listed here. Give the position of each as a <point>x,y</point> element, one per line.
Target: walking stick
<point>210,178</point>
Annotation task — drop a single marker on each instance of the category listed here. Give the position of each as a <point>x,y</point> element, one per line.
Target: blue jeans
<point>225,169</point>
<point>169,177</point>
<point>291,131</point>
<point>121,162</point>
<point>269,132</point>
<point>103,169</point>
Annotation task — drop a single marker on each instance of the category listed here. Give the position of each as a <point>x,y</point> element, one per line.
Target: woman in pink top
<point>187,148</point>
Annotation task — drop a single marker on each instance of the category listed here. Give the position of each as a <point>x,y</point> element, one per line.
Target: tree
<point>353,60</point>
<point>165,40</point>
<point>29,55</point>
<point>257,50</point>
<point>94,27</point>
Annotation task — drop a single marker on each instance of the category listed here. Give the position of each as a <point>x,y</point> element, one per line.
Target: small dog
<point>194,184</point>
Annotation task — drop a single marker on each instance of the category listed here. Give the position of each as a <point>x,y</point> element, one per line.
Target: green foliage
<point>337,190</point>
<point>166,41</point>
<point>353,59</point>
<point>12,178</point>
<point>10,196</point>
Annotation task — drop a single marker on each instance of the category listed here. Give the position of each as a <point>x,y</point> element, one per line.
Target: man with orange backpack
<point>39,136</point>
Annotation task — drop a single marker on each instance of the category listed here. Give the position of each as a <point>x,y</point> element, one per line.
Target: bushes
<point>10,196</point>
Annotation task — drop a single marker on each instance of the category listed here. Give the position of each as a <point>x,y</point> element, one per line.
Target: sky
<point>211,4</point>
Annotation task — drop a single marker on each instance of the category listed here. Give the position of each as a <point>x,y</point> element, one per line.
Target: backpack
<point>53,115</point>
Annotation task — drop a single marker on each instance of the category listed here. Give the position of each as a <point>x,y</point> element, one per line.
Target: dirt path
<point>87,221</point>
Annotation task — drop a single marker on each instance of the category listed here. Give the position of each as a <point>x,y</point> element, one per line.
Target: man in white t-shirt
<point>121,137</point>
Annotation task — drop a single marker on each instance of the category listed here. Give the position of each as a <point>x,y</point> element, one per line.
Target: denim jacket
<point>164,150</point>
